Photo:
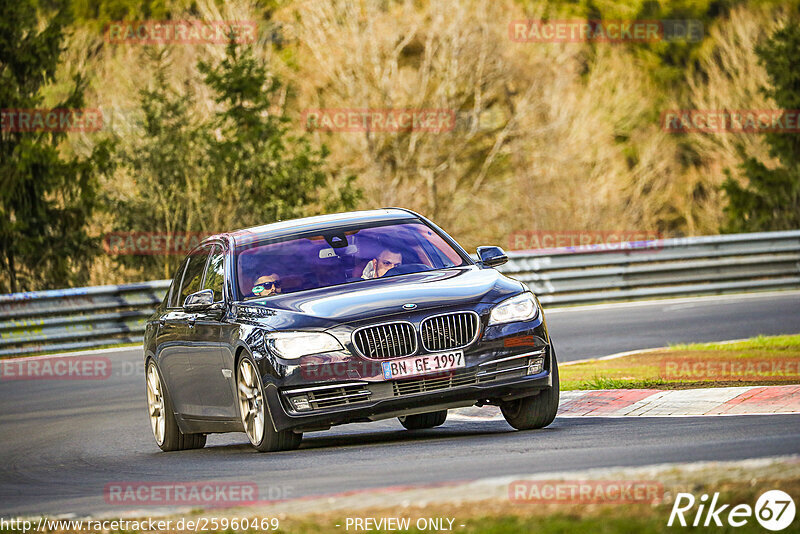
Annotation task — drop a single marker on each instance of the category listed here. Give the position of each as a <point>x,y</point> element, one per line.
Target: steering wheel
<point>407,268</point>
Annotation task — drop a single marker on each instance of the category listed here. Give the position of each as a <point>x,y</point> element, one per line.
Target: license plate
<point>428,364</point>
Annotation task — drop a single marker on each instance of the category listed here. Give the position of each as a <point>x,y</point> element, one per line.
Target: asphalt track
<point>61,442</point>
<point>592,331</point>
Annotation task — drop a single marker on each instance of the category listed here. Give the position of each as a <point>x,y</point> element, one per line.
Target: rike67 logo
<point>774,510</point>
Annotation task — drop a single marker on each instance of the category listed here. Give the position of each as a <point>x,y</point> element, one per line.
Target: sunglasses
<point>263,286</point>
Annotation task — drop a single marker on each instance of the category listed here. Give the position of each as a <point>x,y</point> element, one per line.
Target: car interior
<point>332,259</point>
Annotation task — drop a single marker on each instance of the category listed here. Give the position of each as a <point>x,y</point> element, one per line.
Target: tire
<point>253,411</point>
<point>538,411</point>
<point>423,420</point>
<point>162,417</point>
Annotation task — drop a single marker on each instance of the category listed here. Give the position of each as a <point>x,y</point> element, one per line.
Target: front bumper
<point>341,387</point>
<point>351,401</point>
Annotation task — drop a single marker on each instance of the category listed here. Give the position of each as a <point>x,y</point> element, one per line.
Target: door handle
<point>192,320</point>
<point>162,322</point>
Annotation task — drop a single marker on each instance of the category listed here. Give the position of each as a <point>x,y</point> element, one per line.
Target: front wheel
<point>534,412</point>
<point>423,420</point>
<point>162,418</point>
<point>255,418</point>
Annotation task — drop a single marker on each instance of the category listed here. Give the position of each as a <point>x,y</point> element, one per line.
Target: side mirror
<point>492,256</point>
<point>201,300</point>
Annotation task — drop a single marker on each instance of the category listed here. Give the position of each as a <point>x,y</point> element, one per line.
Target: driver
<point>379,266</point>
<point>267,285</point>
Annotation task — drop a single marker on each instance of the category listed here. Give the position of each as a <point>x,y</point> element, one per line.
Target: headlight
<point>520,308</point>
<point>293,345</point>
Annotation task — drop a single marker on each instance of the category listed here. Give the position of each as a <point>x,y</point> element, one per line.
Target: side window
<point>193,276</point>
<point>215,273</point>
<point>175,288</point>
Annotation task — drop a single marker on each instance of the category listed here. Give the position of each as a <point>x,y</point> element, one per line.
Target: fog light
<point>301,403</point>
<point>535,366</point>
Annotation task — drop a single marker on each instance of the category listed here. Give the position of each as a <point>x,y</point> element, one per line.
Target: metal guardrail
<point>660,268</point>
<point>70,319</point>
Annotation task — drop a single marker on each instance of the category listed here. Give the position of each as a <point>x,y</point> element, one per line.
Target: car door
<point>213,377</point>
<point>188,344</point>
<point>172,356</point>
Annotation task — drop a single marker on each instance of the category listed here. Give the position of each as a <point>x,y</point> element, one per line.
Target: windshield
<point>341,256</point>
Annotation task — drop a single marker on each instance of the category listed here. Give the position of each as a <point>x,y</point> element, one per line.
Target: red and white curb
<point>746,400</point>
<point>708,401</point>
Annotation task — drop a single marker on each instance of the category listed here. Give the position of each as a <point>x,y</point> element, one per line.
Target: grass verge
<point>759,361</point>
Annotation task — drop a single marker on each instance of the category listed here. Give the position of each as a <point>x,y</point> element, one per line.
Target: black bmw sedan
<point>299,325</point>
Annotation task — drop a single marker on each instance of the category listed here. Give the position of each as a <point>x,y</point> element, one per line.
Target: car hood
<point>355,301</point>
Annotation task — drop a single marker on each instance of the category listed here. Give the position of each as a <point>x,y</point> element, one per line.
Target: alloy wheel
<point>251,401</point>
<point>155,404</point>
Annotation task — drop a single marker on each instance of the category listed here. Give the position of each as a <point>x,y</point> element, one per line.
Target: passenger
<point>267,285</point>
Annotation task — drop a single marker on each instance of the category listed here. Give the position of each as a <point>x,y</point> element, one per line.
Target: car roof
<point>319,222</point>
